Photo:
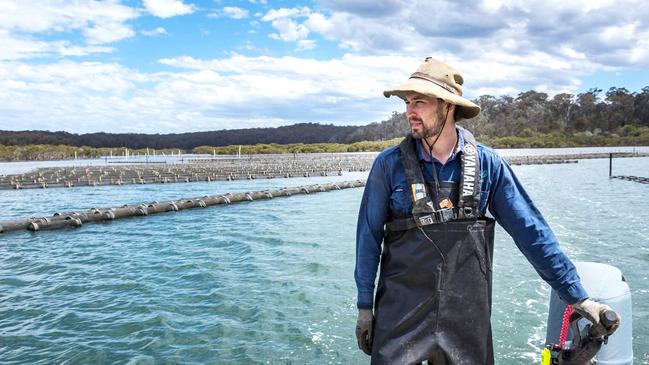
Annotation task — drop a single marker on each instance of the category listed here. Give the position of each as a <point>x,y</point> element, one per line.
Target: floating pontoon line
<point>566,158</point>
<point>222,169</point>
<point>638,179</point>
<point>77,219</point>
<point>217,170</point>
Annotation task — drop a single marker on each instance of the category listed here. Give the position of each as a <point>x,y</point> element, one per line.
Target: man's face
<point>425,114</point>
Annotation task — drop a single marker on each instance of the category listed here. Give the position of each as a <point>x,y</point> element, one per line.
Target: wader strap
<point>470,183</point>
<point>423,208</point>
<point>411,165</point>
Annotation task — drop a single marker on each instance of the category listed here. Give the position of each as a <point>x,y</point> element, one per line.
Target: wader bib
<point>433,300</point>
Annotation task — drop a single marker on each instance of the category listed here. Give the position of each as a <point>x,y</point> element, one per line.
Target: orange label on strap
<point>446,203</point>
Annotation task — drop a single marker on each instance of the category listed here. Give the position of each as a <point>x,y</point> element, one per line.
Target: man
<point>423,214</point>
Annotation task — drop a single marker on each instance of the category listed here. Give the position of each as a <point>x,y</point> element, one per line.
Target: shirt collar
<point>423,156</point>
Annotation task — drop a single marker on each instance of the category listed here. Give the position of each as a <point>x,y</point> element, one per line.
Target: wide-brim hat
<point>439,80</point>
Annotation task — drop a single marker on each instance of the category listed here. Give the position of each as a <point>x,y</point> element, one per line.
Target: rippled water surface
<point>271,282</point>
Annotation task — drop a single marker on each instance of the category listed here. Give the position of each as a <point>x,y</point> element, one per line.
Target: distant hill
<point>616,114</point>
<point>297,133</point>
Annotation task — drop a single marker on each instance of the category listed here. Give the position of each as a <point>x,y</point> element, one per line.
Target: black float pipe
<point>77,219</point>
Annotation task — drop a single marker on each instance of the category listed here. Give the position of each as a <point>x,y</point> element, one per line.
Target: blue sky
<point>173,66</point>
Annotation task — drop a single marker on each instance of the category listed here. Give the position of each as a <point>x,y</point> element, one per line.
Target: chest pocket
<point>400,203</point>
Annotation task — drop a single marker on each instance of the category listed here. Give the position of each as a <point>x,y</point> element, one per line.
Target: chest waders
<point>433,300</point>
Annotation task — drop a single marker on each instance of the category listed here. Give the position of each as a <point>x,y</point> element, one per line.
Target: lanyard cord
<point>430,152</point>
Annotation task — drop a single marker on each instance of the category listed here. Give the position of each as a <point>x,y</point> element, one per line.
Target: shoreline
<point>159,158</point>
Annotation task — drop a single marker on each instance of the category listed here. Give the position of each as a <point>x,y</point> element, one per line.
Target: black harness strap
<point>470,183</point>
<point>424,211</point>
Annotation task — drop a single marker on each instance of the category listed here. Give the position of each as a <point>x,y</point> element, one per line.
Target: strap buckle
<point>445,215</point>
<point>438,216</point>
<point>426,220</point>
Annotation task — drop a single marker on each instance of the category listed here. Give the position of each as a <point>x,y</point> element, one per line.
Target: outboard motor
<point>573,340</point>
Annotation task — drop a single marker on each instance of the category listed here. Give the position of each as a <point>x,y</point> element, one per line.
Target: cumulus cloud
<point>605,32</point>
<point>107,32</point>
<point>197,94</point>
<point>295,24</point>
<point>154,32</point>
<point>288,30</point>
<point>67,95</point>
<point>504,46</point>
<point>231,12</point>
<point>235,12</point>
<point>168,8</point>
<point>317,22</point>
<point>281,13</point>
<point>16,47</point>
<point>365,8</point>
<point>100,22</point>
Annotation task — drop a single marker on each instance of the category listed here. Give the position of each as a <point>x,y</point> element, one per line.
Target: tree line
<point>297,133</point>
<point>532,119</point>
<point>588,117</point>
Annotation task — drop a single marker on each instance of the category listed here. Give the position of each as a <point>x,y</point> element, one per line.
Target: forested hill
<point>531,115</point>
<point>297,133</point>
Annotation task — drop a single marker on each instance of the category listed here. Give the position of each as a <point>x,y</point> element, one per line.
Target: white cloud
<point>231,12</point>
<point>23,22</point>
<point>274,14</point>
<point>501,46</point>
<point>305,44</point>
<point>242,92</point>
<point>235,12</point>
<point>234,92</point>
<point>289,30</point>
<point>107,32</point>
<point>65,49</point>
<point>317,22</point>
<point>17,47</point>
<point>365,8</point>
<point>602,32</point>
<point>168,8</point>
<point>65,95</point>
<point>154,32</point>
<point>42,15</point>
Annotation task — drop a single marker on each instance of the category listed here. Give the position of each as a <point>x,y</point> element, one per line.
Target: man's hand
<point>592,311</point>
<point>364,330</point>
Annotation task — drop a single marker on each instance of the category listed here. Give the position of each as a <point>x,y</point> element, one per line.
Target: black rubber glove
<point>364,330</point>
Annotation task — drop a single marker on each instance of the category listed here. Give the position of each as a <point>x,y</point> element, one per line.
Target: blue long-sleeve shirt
<point>387,195</point>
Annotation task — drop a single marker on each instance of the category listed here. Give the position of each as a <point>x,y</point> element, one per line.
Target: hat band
<point>423,76</point>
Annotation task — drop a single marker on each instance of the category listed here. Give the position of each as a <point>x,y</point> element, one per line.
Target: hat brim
<point>466,109</point>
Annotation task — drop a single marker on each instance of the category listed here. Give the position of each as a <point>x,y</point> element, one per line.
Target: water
<point>272,282</point>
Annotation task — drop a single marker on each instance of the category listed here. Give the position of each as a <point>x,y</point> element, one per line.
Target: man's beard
<point>426,132</point>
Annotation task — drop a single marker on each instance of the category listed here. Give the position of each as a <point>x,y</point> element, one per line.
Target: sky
<point>175,66</point>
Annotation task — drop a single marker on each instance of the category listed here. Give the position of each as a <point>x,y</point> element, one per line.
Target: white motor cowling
<point>605,284</point>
